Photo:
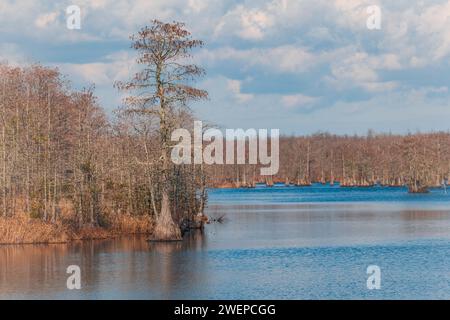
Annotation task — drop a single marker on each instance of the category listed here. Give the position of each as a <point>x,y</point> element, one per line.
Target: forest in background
<point>419,161</point>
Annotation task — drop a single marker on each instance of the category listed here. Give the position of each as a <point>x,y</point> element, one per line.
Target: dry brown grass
<point>128,224</point>
<point>21,229</point>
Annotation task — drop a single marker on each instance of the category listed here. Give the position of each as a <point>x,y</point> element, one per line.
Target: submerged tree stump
<point>418,189</point>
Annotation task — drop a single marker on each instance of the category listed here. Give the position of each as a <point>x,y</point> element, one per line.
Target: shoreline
<point>22,230</point>
<point>71,241</point>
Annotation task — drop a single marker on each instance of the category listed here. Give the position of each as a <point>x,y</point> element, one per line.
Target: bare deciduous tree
<point>160,88</point>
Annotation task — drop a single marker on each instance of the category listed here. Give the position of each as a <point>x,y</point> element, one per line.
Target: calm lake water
<point>275,243</point>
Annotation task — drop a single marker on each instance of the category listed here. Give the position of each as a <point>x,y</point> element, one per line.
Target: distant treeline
<point>419,161</point>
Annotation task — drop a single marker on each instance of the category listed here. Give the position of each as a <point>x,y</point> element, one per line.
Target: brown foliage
<point>419,161</point>
<point>68,172</point>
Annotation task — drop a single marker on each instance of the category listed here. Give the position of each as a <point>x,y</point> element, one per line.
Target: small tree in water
<point>162,87</point>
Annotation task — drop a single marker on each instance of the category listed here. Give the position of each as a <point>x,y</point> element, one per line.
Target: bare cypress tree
<point>160,87</point>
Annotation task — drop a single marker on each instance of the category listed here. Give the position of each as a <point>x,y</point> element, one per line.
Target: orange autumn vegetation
<point>22,229</point>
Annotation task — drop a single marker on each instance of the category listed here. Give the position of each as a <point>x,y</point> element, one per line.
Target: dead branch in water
<point>220,219</point>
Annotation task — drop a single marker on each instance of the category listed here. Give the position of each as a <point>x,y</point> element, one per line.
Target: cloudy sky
<point>299,65</point>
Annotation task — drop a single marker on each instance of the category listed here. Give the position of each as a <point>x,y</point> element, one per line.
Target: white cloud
<point>288,58</point>
<point>254,24</point>
<point>297,100</point>
<point>359,69</point>
<point>197,5</point>
<point>44,20</point>
<point>114,67</point>
<point>250,22</point>
<point>234,86</point>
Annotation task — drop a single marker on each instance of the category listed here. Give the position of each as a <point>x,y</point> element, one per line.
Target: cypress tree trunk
<point>165,228</point>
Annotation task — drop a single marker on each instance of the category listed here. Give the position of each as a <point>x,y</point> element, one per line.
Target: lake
<point>275,243</point>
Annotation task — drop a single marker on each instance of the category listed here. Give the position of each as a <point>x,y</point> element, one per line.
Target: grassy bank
<point>21,229</point>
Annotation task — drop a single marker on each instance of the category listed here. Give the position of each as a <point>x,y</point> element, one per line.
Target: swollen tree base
<point>165,228</point>
<point>166,232</point>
